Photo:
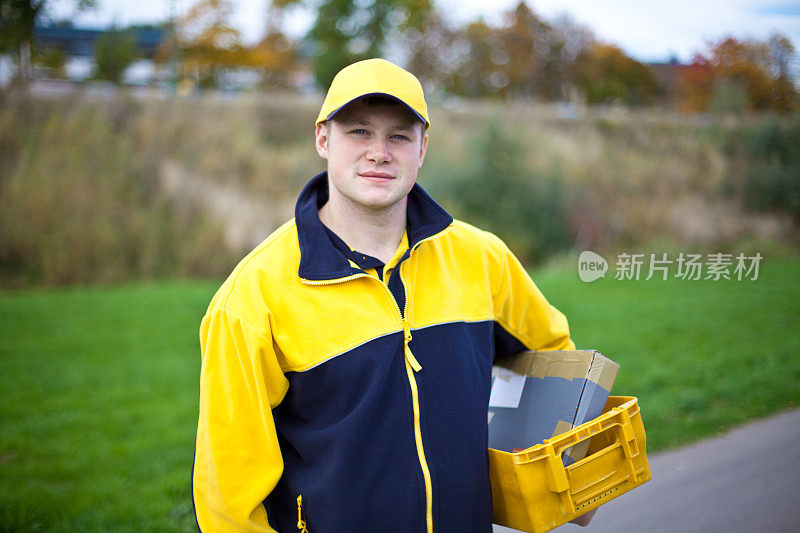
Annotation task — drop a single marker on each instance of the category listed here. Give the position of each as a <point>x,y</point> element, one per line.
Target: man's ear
<point>423,148</point>
<point>321,142</point>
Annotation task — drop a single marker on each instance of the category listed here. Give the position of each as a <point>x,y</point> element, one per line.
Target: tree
<point>522,52</point>
<point>435,53</point>
<point>432,47</point>
<point>114,51</point>
<point>526,56</point>
<point>333,40</point>
<point>54,60</point>
<point>477,75</point>
<point>17,20</point>
<point>208,42</point>
<point>740,65</point>
<point>696,85</point>
<point>741,75</point>
<point>605,74</point>
<point>208,45</point>
<point>275,56</point>
<point>783,56</point>
<point>566,40</point>
<point>348,30</point>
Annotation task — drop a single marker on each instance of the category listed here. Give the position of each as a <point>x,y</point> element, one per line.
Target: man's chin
<point>380,204</point>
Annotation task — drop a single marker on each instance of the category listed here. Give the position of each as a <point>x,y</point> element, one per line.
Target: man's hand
<point>584,519</point>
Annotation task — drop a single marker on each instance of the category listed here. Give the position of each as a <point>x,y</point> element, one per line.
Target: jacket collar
<point>320,260</point>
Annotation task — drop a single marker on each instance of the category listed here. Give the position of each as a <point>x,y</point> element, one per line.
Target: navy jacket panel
<point>454,394</point>
<point>347,439</point>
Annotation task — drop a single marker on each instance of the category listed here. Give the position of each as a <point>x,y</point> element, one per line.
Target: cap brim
<point>386,95</point>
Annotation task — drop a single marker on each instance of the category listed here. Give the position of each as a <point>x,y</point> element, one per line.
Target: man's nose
<point>379,151</point>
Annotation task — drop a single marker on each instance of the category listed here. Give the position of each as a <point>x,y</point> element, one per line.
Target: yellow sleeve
<point>237,458</point>
<point>522,309</point>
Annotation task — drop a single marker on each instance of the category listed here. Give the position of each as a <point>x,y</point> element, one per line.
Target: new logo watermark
<point>685,266</point>
<point>591,266</point>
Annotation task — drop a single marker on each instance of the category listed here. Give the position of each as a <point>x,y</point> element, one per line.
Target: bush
<point>773,177</point>
<point>496,191</point>
<point>766,170</point>
<point>114,52</point>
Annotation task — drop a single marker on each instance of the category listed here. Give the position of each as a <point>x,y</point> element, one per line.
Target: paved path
<point>747,480</point>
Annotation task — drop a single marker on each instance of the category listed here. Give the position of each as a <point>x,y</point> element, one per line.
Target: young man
<point>347,360</point>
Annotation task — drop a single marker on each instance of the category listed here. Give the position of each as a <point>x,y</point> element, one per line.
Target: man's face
<point>374,153</point>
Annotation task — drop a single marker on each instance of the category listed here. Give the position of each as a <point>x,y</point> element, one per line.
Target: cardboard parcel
<point>539,394</point>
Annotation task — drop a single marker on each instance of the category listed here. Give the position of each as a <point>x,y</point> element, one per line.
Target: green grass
<point>98,386</point>
<point>98,407</point>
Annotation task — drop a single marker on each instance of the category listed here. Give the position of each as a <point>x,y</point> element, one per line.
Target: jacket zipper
<point>301,524</point>
<point>334,281</point>
<point>412,366</point>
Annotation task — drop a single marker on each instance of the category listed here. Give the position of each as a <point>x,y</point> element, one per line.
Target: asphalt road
<point>745,481</point>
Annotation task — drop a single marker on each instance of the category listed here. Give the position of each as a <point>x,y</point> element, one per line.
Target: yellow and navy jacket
<point>333,399</point>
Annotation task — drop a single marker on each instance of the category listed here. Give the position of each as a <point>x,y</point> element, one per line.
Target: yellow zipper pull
<point>409,356</point>
<point>301,525</point>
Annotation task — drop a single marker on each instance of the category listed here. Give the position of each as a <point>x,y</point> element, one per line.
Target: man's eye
<point>359,132</point>
<point>400,137</point>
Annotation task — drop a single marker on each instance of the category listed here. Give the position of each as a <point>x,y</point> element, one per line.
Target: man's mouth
<point>376,176</point>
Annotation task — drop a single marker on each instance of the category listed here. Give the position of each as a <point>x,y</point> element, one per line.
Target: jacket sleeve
<point>524,314</point>
<point>237,458</point>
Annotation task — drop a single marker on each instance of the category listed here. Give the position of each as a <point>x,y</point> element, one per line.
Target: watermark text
<point>685,266</point>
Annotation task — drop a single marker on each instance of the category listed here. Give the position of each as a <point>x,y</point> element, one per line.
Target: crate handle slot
<point>620,420</point>
<point>620,435</point>
<point>603,487</point>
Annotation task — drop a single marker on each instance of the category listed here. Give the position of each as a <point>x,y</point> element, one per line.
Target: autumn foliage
<point>520,56</point>
<point>739,75</point>
<point>208,47</point>
<point>524,56</point>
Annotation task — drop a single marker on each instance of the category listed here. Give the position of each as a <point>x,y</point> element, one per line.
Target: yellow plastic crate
<point>533,491</point>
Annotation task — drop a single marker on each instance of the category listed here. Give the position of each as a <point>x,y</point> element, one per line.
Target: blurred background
<point>145,148</point>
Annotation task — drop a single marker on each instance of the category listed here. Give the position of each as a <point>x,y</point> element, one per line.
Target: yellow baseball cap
<point>374,77</point>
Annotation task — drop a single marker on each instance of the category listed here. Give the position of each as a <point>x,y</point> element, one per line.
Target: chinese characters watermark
<point>685,266</point>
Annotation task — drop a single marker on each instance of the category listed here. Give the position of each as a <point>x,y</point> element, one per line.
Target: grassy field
<point>98,386</point>
<point>98,407</point>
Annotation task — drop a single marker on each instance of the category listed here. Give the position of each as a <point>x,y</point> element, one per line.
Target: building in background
<point>78,47</point>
